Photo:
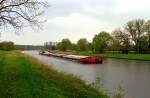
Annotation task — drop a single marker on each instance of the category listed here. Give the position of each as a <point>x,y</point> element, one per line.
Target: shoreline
<point>136,57</point>
<point>26,77</point>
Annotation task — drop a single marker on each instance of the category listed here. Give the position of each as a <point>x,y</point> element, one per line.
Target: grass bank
<point>140,57</point>
<point>24,77</point>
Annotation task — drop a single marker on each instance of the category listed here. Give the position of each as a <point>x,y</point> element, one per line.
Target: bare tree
<point>121,40</point>
<point>136,28</point>
<point>20,13</point>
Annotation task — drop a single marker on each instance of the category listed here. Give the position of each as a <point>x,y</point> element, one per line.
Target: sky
<point>75,19</point>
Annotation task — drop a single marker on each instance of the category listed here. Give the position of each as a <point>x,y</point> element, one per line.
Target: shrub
<point>7,45</point>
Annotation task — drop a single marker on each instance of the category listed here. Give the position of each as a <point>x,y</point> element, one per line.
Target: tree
<point>20,13</point>
<point>74,47</point>
<point>50,45</point>
<point>7,46</point>
<point>100,41</point>
<point>143,43</point>
<point>136,30</point>
<point>147,29</point>
<point>64,45</point>
<point>120,40</point>
<point>90,47</point>
<point>82,44</point>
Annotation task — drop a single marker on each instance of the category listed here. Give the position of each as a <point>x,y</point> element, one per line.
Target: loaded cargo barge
<point>76,58</point>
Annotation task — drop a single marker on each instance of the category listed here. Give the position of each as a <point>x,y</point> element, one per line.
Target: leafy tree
<point>82,44</point>
<point>64,45</point>
<point>74,47</point>
<point>100,41</point>
<point>90,47</point>
<point>7,46</point>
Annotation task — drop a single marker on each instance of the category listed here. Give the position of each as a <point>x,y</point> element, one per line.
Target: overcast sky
<point>75,19</point>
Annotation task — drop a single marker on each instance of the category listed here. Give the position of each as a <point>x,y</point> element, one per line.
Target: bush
<point>7,45</point>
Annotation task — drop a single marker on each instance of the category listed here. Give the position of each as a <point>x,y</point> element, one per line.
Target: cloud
<point>128,6</point>
<point>75,19</point>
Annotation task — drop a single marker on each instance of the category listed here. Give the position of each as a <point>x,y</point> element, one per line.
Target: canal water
<point>133,76</point>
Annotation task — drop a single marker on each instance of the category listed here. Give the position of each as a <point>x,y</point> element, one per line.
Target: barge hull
<point>79,59</point>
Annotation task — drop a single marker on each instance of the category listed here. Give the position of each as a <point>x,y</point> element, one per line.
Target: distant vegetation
<point>64,45</point>
<point>82,44</point>
<point>28,47</point>
<point>133,37</point>
<point>7,45</point>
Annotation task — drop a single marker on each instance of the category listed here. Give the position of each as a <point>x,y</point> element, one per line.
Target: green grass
<point>24,77</point>
<point>141,57</point>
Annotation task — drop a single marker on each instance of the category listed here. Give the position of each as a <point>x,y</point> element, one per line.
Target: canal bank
<point>137,57</point>
<point>132,75</point>
<point>24,77</point>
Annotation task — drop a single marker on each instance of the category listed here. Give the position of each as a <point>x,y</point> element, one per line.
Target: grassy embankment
<point>24,77</point>
<point>141,57</point>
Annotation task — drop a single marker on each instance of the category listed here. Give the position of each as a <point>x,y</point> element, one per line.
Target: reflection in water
<point>134,76</point>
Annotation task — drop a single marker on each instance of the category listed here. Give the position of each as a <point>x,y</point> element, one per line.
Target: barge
<point>76,58</point>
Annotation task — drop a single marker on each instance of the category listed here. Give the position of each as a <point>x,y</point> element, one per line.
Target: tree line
<point>28,47</point>
<point>9,45</point>
<point>6,45</point>
<point>134,36</point>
